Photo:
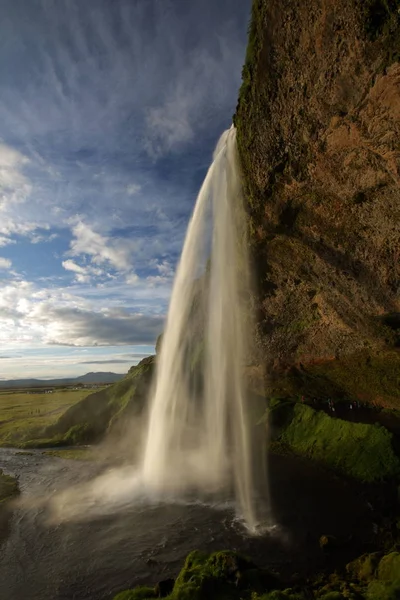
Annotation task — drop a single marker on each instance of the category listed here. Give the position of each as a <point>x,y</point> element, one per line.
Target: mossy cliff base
<point>318,124</point>
<point>365,452</point>
<point>228,576</point>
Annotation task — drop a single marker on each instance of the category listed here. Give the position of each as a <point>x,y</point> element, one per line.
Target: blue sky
<point>109,112</point>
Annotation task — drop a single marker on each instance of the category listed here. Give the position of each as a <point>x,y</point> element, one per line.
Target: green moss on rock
<point>222,575</point>
<point>362,451</point>
<point>378,590</point>
<point>381,573</point>
<point>370,378</point>
<point>389,567</point>
<point>219,577</point>
<point>364,567</point>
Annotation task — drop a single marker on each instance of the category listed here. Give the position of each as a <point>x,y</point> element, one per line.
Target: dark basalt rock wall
<point>318,125</point>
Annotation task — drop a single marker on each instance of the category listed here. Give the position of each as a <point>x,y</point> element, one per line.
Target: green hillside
<point>103,411</point>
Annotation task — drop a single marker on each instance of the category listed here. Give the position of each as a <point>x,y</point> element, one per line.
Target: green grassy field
<point>24,415</point>
<point>73,453</point>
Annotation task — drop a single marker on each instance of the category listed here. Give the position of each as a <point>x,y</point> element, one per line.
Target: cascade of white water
<point>201,439</point>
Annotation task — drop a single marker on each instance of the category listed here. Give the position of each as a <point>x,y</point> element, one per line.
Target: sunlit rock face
<point>318,125</point>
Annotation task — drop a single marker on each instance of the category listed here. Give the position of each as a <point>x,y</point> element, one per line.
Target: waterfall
<point>198,434</point>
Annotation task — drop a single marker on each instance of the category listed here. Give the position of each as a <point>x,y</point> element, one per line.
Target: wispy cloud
<point>101,249</point>
<point>133,188</point>
<point>59,316</point>
<point>82,274</point>
<point>5,263</point>
<point>4,241</point>
<point>14,185</point>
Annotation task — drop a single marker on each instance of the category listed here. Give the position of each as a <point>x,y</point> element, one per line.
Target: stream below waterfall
<point>140,543</point>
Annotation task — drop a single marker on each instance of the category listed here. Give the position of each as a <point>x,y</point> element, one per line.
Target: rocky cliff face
<point>318,125</point>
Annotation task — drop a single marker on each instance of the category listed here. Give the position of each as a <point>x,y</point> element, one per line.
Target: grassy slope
<point>69,417</point>
<point>72,453</point>
<point>88,420</point>
<point>24,415</point>
<point>365,452</point>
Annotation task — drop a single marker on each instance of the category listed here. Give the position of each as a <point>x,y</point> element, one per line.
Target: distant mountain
<point>89,378</point>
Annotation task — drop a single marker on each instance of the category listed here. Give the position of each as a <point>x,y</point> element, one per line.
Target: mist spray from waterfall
<point>201,441</point>
<point>199,433</point>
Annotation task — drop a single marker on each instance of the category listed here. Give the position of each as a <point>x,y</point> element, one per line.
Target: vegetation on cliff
<point>362,451</point>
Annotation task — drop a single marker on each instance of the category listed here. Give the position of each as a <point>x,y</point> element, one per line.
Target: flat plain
<point>25,413</point>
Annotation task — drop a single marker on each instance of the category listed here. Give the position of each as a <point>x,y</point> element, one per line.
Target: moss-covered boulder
<point>378,575</point>
<point>386,586</point>
<point>221,575</point>
<point>389,567</point>
<point>218,577</point>
<point>364,568</point>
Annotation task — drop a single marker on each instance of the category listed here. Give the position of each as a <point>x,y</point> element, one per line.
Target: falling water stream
<point>202,440</point>
<point>89,531</point>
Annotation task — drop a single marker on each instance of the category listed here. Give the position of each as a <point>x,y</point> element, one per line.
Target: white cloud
<point>75,327</point>
<point>58,316</point>
<point>102,249</point>
<point>70,265</point>
<point>40,239</point>
<point>133,188</point>
<point>165,274</point>
<point>10,226</point>
<point>5,263</point>
<point>83,273</point>
<point>132,279</point>
<point>14,185</point>
<point>4,241</point>
<point>168,126</point>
